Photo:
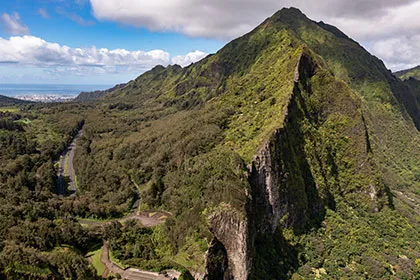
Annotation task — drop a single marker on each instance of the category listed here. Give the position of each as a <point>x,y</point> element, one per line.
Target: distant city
<point>46,92</point>
<point>46,98</point>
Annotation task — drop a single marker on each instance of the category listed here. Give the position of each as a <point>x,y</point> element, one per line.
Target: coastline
<point>47,93</point>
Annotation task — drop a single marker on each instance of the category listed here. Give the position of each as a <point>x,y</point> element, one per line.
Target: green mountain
<point>409,73</point>
<point>95,95</point>
<point>291,153</point>
<point>414,85</point>
<point>411,78</point>
<point>9,101</point>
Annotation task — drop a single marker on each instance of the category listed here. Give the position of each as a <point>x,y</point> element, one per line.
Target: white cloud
<point>369,22</point>
<point>35,51</point>
<point>392,21</point>
<point>12,24</point>
<point>59,61</point>
<point>192,57</point>
<point>400,52</point>
<point>228,18</point>
<point>43,13</point>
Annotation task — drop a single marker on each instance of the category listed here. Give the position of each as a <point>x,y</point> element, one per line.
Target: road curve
<point>132,273</point>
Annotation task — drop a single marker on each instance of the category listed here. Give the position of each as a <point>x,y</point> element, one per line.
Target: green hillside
<point>409,73</point>
<point>342,135</point>
<point>98,94</point>
<point>291,153</point>
<point>8,101</point>
<point>414,85</point>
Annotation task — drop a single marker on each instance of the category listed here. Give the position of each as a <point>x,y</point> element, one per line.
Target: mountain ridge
<point>315,143</point>
<point>409,73</point>
<point>97,94</point>
<point>291,153</point>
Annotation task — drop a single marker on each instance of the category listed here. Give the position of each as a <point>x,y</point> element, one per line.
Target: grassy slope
<point>96,261</point>
<point>409,73</point>
<point>206,122</point>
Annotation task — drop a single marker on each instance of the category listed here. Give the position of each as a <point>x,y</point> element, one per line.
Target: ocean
<point>46,91</point>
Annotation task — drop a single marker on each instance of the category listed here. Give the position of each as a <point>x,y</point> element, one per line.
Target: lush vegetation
<point>96,261</point>
<point>38,238</point>
<point>8,101</point>
<point>409,73</point>
<point>342,130</point>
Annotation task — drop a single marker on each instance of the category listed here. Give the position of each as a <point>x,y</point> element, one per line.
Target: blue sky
<point>60,28</point>
<point>113,41</point>
<point>71,23</point>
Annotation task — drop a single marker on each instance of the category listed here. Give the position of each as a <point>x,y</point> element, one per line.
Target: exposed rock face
<point>231,230</point>
<point>217,266</point>
<point>283,190</point>
<point>278,197</point>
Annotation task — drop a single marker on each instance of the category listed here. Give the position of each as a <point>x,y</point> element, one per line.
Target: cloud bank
<point>61,60</point>
<point>374,23</point>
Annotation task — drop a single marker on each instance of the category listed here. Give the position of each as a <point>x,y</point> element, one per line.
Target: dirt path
<point>146,218</point>
<point>69,153</point>
<point>130,273</point>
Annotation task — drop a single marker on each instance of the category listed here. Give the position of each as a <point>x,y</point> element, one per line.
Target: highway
<point>68,156</point>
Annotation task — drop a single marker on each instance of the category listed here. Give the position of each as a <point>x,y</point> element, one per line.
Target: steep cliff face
<point>297,174</point>
<point>283,189</point>
<point>231,231</point>
<point>217,266</point>
<point>272,198</point>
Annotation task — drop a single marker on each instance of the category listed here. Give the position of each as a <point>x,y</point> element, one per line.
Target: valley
<point>291,153</point>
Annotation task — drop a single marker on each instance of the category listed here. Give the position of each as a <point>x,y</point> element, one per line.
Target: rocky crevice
<point>231,230</point>
<point>217,265</point>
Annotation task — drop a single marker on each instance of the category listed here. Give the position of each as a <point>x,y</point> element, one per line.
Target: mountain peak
<point>289,11</point>
<point>288,15</point>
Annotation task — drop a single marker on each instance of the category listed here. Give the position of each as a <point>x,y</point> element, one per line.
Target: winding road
<point>68,154</point>
<point>148,219</point>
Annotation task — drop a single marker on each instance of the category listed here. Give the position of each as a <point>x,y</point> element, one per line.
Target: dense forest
<point>292,153</point>
<point>39,238</point>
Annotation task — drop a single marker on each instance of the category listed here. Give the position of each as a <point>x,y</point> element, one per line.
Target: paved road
<point>69,153</point>
<point>148,219</point>
<point>132,273</point>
